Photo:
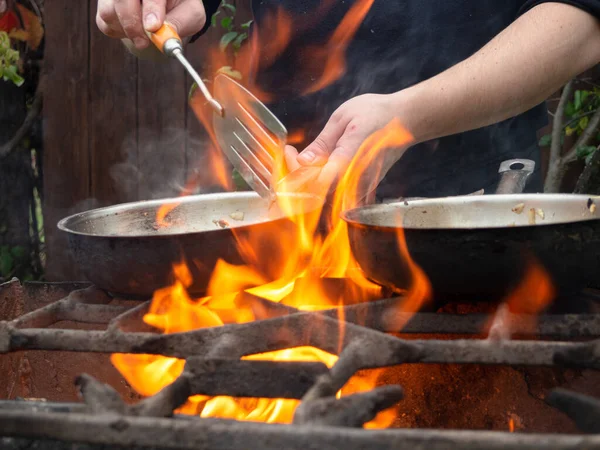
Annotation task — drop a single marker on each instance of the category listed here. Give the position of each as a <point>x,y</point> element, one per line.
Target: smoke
<point>163,164</point>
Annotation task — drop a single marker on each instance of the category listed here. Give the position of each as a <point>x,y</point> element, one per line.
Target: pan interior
<point>191,214</point>
<point>489,211</point>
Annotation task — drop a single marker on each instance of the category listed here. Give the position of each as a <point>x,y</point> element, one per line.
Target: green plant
<point>577,116</point>
<point>232,39</point>
<point>577,113</point>
<point>14,260</point>
<point>9,59</point>
<point>233,35</point>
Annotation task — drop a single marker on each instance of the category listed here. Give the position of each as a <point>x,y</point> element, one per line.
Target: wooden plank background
<point>115,129</point>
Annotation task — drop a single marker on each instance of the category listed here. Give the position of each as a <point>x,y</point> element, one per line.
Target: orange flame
<point>299,268</point>
<point>534,293</point>
<point>333,53</point>
<point>511,425</point>
<point>172,310</point>
<point>296,137</point>
<point>267,42</point>
<point>291,261</point>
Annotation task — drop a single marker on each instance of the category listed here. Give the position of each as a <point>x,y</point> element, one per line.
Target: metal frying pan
<point>123,250</point>
<point>479,247</point>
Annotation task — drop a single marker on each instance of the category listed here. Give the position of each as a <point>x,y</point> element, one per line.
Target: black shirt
<point>399,44</point>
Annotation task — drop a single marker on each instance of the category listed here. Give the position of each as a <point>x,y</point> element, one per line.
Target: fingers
<point>109,30</point>
<point>131,18</point>
<point>129,13</point>
<point>188,17</point>
<point>317,152</point>
<point>107,20</point>
<point>153,13</point>
<point>291,158</point>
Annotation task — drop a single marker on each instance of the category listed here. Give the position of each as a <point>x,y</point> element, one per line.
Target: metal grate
<point>213,367</point>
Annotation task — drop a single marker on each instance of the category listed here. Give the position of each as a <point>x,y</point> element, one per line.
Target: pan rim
<point>66,224</point>
<point>352,216</point>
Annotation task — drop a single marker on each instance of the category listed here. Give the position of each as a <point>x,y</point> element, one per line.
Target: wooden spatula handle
<point>162,35</point>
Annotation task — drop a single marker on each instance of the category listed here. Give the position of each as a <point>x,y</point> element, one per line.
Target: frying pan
<point>123,250</point>
<point>480,247</point>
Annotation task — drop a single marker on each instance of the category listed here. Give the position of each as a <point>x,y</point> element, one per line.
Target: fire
<point>534,293</point>
<point>308,269</point>
<point>296,137</point>
<point>302,269</point>
<point>171,311</point>
<point>334,51</point>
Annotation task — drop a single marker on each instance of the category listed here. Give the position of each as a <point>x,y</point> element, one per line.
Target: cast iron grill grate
<point>213,367</point>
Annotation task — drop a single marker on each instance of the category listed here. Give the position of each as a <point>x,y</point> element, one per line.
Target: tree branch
<point>32,115</point>
<point>556,168</point>
<point>585,137</point>
<point>577,118</point>
<point>589,181</point>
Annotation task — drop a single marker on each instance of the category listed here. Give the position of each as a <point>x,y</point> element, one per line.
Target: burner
<point>78,317</point>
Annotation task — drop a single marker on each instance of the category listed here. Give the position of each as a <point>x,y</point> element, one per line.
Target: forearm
<point>518,69</point>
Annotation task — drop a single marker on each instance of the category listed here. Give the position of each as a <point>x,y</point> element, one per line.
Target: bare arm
<point>518,69</point>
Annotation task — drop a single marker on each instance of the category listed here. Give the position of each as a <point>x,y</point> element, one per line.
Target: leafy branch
<point>9,60</point>
<point>232,38</point>
<point>581,109</point>
<point>233,35</point>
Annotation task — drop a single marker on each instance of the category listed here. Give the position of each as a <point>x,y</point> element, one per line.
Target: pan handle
<point>514,174</point>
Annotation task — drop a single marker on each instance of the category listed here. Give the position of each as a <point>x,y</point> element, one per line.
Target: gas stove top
<point>364,336</point>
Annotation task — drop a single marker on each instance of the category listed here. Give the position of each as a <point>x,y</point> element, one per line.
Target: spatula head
<point>248,133</point>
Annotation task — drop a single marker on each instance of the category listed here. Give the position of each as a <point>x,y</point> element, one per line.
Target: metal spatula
<point>246,130</point>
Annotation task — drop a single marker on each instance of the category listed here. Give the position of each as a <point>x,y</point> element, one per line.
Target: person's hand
<point>323,162</point>
<point>129,18</point>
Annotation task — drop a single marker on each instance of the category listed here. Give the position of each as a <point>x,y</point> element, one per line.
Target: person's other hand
<point>129,18</point>
<point>323,162</point>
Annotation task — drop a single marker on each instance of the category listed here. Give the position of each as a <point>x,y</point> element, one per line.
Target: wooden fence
<point>116,129</point>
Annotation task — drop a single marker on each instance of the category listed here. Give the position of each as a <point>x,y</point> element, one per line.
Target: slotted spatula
<point>246,130</point>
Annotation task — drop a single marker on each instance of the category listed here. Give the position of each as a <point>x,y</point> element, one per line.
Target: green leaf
<point>229,7</point>
<point>10,74</point>
<point>570,110</point>
<point>584,151</point>
<point>577,100</point>
<point>584,96</point>
<point>227,23</point>
<point>19,252</point>
<point>227,39</point>
<point>213,19</point>
<point>237,43</point>
<point>227,70</point>
<point>545,140</point>
<point>246,25</point>
<point>193,88</point>
<point>239,182</point>
<point>569,131</point>
<point>6,261</point>
<point>583,122</point>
